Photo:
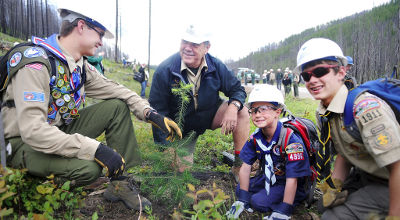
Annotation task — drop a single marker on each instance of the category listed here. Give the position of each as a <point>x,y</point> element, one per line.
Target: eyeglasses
<point>317,71</point>
<point>262,109</point>
<point>101,33</point>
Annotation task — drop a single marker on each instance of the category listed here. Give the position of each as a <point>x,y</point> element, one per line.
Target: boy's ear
<point>342,72</point>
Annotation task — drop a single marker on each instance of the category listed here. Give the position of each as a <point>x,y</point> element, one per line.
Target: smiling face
<point>264,114</point>
<point>192,54</point>
<point>325,87</point>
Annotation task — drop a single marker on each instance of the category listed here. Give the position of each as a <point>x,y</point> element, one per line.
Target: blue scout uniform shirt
<point>294,164</point>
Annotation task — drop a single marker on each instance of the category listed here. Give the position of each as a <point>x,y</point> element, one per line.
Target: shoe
<point>125,191</point>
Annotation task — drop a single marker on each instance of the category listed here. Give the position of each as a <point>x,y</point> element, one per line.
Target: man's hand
<point>110,160</point>
<point>229,120</point>
<point>165,124</point>
<point>333,197</point>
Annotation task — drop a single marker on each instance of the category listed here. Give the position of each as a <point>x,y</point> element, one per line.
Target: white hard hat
<point>196,35</point>
<point>70,15</point>
<point>266,93</point>
<point>318,48</point>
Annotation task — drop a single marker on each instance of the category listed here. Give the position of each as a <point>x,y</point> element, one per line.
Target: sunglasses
<point>262,109</point>
<point>317,71</point>
<point>101,33</point>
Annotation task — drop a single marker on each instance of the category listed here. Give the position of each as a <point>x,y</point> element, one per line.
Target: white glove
<point>236,209</point>
<point>277,216</point>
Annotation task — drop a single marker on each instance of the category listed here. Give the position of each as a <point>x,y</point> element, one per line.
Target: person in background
<point>372,187</point>
<point>145,74</point>
<point>271,77</point>
<point>287,83</point>
<point>282,183</point>
<point>264,77</point>
<point>296,81</point>
<point>253,77</point>
<point>206,109</point>
<point>279,77</point>
<point>96,62</point>
<point>47,130</point>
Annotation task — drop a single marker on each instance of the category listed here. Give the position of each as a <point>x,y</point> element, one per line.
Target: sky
<point>236,27</point>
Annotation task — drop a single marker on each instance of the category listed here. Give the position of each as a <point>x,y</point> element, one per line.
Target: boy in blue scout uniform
<point>366,176</point>
<point>281,186</point>
<point>47,131</point>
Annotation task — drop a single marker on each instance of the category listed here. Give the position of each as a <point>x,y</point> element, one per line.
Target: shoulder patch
<point>294,148</point>
<point>34,96</point>
<point>32,52</point>
<point>383,140</point>
<point>15,59</point>
<point>36,66</point>
<point>365,106</point>
<point>294,152</point>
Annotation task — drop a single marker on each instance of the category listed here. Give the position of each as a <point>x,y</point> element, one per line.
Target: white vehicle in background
<point>243,70</point>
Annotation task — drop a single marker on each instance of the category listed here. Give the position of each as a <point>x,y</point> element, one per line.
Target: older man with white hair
<point>206,109</point>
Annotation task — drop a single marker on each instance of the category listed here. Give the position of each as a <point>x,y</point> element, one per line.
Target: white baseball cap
<point>196,35</point>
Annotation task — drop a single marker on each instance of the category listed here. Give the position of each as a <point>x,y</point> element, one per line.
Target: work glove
<point>282,212</point>
<point>110,160</point>
<point>165,124</point>
<point>333,197</point>
<point>238,206</point>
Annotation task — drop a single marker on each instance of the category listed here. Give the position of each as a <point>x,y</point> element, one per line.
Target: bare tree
<point>116,31</point>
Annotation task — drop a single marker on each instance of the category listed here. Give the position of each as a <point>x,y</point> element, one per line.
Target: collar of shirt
<point>202,65</point>
<point>70,60</point>
<point>337,104</point>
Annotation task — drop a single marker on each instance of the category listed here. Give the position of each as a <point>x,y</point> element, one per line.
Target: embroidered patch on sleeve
<point>34,96</point>
<point>365,106</point>
<point>383,140</point>
<point>295,152</point>
<point>36,66</point>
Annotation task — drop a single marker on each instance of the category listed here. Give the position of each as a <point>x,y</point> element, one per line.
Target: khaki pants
<point>111,116</point>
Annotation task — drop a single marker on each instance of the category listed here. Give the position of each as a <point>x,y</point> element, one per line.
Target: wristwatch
<point>237,104</point>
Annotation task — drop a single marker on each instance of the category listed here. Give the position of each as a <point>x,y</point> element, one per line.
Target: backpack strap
<point>349,122</point>
<point>284,138</point>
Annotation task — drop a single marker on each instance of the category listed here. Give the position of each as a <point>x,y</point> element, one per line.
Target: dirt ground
<point>95,202</point>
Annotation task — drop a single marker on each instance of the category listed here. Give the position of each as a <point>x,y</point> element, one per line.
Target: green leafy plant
<point>209,207</point>
<point>22,194</point>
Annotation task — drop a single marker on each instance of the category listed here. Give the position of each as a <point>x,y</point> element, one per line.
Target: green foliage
<point>21,194</point>
<point>183,94</point>
<point>302,107</point>
<point>207,204</point>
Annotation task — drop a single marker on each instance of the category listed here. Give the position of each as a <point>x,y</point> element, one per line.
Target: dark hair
<point>67,27</point>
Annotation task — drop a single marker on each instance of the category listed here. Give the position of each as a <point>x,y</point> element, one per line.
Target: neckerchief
<point>270,178</point>
<point>324,155</point>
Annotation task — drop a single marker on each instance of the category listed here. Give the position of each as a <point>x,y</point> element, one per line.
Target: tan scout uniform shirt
<point>29,119</point>
<point>378,127</point>
<point>195,78</point>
